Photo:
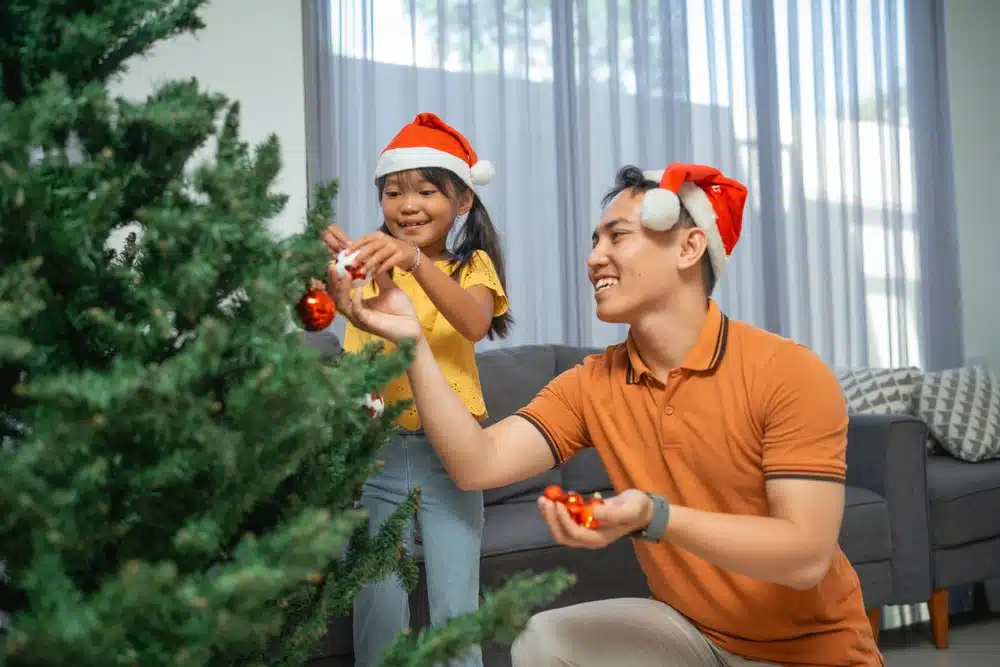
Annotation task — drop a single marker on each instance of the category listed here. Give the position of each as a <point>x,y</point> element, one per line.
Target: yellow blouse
<point>455,354</point>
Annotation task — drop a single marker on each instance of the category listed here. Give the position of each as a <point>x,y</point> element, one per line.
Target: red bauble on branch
<point>316,309</point>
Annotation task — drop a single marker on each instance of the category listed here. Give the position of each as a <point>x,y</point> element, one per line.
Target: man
<point>725,444</point>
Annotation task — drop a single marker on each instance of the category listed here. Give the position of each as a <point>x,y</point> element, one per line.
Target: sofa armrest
<point>886,454</point>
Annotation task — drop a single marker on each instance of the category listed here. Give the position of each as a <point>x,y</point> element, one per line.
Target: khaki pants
<point>627,632</point>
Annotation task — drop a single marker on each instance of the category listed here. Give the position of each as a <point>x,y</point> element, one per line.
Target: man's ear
<point>693,246</point>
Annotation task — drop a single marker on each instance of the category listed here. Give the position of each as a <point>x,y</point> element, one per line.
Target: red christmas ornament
<point>316,309</point>
<point>554,493</point>
<point>582,511</point>
<point>345,265</point>
<point>375,404</point>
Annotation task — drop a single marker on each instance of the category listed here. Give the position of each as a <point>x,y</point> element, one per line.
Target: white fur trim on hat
<point>404,159</point>
<point>699,206</point>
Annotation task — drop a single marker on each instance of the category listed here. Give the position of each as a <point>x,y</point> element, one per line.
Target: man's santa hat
<point>714,202</point>
<point>430,142</point>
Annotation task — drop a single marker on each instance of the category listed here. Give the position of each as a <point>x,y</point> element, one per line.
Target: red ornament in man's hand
<point>316,309</point>
<point>582,511</point>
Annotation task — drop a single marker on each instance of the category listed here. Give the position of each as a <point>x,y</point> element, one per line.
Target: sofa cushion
<point>509,528</point>
<point>510,378</point>
<point>568,356</point>
<point>585,472</point>
<point>883,391</point>
<point>865,534</point>
<point>964,499</point>
<point>962,408</point>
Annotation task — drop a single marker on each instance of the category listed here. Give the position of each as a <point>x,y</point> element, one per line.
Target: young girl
<point>426,179</point>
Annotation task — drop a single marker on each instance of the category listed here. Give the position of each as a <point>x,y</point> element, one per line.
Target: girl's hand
<point>380,252</point>
<point>617,516</point>
<point>335,239</point>
<point>389,315</point>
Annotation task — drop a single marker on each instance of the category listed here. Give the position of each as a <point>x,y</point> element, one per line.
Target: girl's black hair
<point>478,233</point>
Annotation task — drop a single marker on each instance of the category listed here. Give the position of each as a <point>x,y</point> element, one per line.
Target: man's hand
<point>389,315</point>
<point>617,516</point>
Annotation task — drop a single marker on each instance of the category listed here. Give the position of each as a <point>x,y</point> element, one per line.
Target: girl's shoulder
<point>480,261</point>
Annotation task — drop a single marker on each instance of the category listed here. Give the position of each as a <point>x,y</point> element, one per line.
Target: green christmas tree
<point>178,473</point>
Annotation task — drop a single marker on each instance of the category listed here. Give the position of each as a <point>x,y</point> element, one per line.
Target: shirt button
<point>669,410</point>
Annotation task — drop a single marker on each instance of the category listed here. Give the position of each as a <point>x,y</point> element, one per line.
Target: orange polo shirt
<point>746,406</point>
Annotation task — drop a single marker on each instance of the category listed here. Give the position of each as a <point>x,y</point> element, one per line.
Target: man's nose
<point>597,257</point>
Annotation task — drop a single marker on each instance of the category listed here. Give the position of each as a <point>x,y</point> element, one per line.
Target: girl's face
<point>419,211</point>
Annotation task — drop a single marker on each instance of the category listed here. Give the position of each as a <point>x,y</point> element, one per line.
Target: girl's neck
<point>434,251</point>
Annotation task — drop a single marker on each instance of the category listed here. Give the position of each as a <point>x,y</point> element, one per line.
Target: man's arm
<point>805,438</point>
<point>511,450</point>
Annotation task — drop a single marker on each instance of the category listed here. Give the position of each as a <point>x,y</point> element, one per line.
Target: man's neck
<point>664,338</point>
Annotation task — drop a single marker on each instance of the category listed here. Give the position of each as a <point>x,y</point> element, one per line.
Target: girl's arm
<point>469,310</point>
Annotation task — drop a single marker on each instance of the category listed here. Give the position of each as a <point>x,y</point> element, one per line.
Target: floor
<point>974,642</point>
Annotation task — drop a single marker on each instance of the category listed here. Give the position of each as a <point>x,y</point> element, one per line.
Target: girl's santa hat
<point>714,202</point>
<point>430,142</point>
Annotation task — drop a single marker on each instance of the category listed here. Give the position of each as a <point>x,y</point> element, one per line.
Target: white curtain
<point>833,112</point>
<point>808,102</point>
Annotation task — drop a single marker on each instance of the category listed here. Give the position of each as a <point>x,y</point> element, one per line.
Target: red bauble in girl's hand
<point>375,404</point>
<point>345,265</point>
<point>316,309</point>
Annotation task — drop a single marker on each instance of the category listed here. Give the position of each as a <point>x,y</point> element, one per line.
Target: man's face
<point>635,269</point>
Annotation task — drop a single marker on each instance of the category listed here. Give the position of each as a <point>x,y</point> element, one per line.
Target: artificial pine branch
<point>179,473</point>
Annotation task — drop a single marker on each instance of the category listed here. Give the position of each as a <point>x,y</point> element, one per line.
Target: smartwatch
<point>657,527</point>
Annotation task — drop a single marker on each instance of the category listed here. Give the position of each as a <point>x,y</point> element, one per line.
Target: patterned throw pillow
<point>883,391</point>
<point>962,408</point>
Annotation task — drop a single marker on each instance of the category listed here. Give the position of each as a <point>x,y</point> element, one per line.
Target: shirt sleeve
<point>557,412</point>
<point>481,271</point>
<point>804,418</point>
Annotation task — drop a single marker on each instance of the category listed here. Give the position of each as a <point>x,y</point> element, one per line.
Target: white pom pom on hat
<point>660,209</point>
<point>482,172</point>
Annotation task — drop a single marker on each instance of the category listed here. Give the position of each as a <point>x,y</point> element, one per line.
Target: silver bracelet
<point>416,262</point>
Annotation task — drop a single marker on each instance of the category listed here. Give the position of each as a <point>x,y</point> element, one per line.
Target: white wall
<point>973,52</point>
<point>250,51</point>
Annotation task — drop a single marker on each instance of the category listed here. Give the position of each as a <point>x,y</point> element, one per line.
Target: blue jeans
<point>451,529</point>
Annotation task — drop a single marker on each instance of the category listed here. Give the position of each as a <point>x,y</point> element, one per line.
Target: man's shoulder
<point>602,363</point>
<point>778,364</point>
<point>766,348</point>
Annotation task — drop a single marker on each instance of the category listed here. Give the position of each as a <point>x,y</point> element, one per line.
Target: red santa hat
<point>714,202</point>
<point>430,142</point>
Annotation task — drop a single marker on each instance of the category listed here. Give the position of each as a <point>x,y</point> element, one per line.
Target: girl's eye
<point>427,193</point>
<point>391,193</point>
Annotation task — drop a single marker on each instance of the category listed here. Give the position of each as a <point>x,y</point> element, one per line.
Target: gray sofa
<point>964,530</point>
<point>885,529</point>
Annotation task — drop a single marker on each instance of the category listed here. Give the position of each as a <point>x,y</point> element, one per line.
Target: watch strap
<point>657,527</point>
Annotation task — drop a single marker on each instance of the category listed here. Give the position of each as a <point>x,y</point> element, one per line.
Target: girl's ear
<point>465,202</point>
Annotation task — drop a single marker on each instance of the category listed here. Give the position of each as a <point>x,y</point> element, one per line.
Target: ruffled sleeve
<point>480,271</point>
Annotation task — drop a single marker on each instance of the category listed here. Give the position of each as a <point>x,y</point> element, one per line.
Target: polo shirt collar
<point>706,354</point>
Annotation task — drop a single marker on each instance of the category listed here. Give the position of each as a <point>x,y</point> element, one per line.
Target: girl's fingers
<point>380,261</point>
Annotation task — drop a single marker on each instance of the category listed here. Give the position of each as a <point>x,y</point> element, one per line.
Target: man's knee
<point>539,644</point>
